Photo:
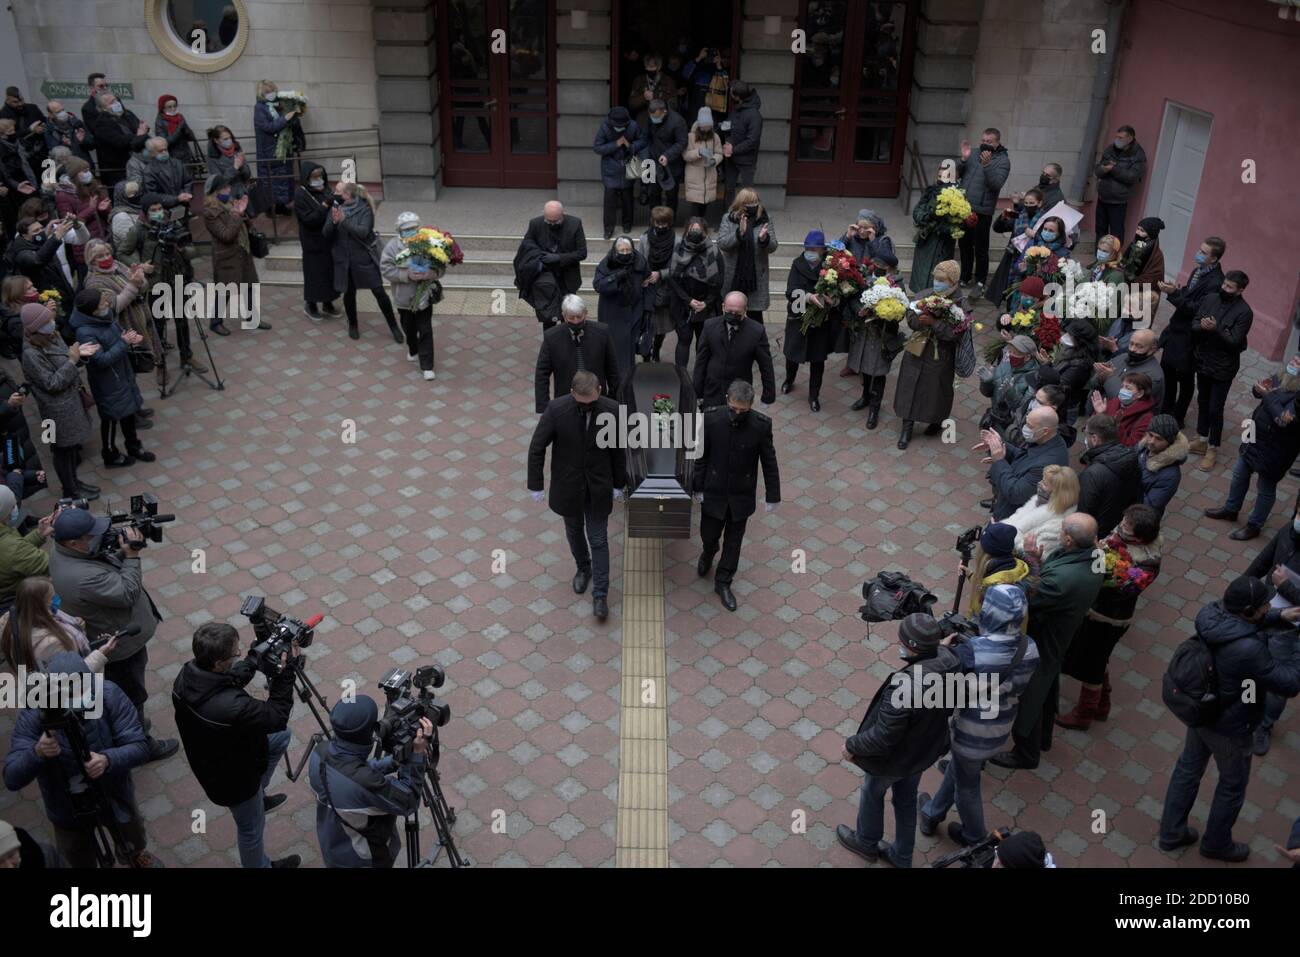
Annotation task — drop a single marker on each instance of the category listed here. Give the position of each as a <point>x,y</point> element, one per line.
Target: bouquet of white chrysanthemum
<point>1093,301</point>
<point>1071,270</point>
<point>286,101</point>
<point>879,301</point>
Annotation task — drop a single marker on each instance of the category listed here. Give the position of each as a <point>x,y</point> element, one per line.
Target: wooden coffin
<point>659,479</point>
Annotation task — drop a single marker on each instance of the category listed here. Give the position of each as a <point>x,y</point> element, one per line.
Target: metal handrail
<point>914,181</point>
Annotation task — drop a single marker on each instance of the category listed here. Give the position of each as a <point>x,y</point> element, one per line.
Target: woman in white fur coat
<point>1041,517</point>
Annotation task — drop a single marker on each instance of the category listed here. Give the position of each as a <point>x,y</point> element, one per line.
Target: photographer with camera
<point>80,796</point>
<point>358,800</point>
<point>103,584</point>
<point>165,245</point>
<point>1006,659</point>
<point>902,734</point>
<point>233,741</point>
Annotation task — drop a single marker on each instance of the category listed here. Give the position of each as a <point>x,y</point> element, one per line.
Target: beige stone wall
<point>325,48</point>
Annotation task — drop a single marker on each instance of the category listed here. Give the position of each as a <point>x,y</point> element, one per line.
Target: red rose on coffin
<point>973,219</point>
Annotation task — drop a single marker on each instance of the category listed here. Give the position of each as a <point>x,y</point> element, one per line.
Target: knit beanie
<point>37,318</point>
<point>1165,426</point>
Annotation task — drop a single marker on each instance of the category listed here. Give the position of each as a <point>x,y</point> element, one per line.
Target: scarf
<point>695,263</point>
<point>173,122</point>
<point>228,153</point>
<point>746,277</point>
<point>660,247</point>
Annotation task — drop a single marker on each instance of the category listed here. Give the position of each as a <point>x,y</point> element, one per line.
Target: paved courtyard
<point>399,537</point>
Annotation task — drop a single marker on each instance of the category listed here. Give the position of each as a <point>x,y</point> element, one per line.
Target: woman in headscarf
<point>1105,264</point>
<point>1015,220</point>
<point>276,175</point>
<point>747,238</point>
<point>816,344</point>
<point>1144,261</point>
<point>226,163</point>
<point>925,378</point>
<point>933,246</point>
<point>311,204</point>
<point>656,247</point>
<point>171,125</point>
<point>626,301</point>
<point>78,192</point>
<point>865,238</point>
<point>350,230</point>
<point>695,279</point>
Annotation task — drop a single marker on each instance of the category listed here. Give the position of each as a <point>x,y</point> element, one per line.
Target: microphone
<point>311,622</point>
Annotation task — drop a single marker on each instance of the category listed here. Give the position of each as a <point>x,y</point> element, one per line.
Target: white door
<point>1180,157</point>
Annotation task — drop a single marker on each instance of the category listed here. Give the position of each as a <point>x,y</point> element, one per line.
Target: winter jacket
<point>900,736</point>
<point>116,141</point>
<point>1162,472</point>
<point>746,131</point>
<point>1283,549</point>
<point>312,210</point>
<point>667,139</point>
<point>86,209</point>
<point>983,183</point>
<point>1110,482</point>
<point>55,383</point>
<point>729,240</point>
<point>1149,366</point>
<point>1017,572</point>
<point>1277,435</point>
<point>107,591</point>
<point>584,474</point>
<point>1039,521</point>
<point>399,277</point>
<point>117,735</point>
<point>1241,654</point>
<point>1176,337</point>
<point>167,179</point>
<point>613,157</point>
<point>1217,353</point>
<point>979,733</point>
<point>1131,420</point>
<point>21,556</point>
<point>267,124</point>
<point>223,168</point>
<point>1117,185</point>
<point>232,261</point>
<point>66,135</point>
<point>358,801</point>
<point>354,240</point>
<point>1015,477</point>
<point>112,380</point>
<point>39,262</point>
<point>131,304</point>
<point>703,166</point>
<point>224,728</point>
<point>1009,389</point>
<point>46,645</point>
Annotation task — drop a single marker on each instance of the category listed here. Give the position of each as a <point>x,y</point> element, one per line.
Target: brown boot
<point>1198,446</point>
<point>1102,711</point>
<point>1208,459</point>
<point>1080,719</point>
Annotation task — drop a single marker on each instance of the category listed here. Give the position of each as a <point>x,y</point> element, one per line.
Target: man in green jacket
<point>20,555</point>
<point>1067,585</point>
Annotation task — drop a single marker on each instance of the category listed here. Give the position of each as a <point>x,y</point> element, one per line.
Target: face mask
<point>1027,433</point>
<point>1043,497</point>
<point>751,212</point>
<point>737,417</point>
<point>48,330</point>
<point>1201,259</point>
<point>619,129</point>
<point>1119,144</point>
<point>656,120</point>
<point>1067,341</point>
<point>1016,361</point>
<point>158,217</point>
<point>161,156</point>
<point>1295,525</point>
<point>55,602</point>
<point>1125,396</point>
<point>941,287</point>
<point>812,257</point>
<point>1044,180</point>
<point>662,230</point>
<point>1293,370</point>
<point>171,111</point>
<point>31,295</point>
<point>1224,294</point>
<point>1136,357</point>
<point>226,143</point>
<point>406,232</point>
<point>223,197</point>
<point>116,108</point>
<point>695,236</point>
<point>1049,235</point>
<point>106,263</point>
<point>1103,255</point>
<point>734,318</point>
<point>624,258</point>
<point>316,183</point>
<point>85,176</point>
<point>61,116</point>
<point>1030,210</point>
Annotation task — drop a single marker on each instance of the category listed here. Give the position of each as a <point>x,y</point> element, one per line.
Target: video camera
<point>408,698</point>
<point>967,541</point>
<point>143,517</point>
<point>275,633</point>
<point>170,233</point>
<point>980,854</point>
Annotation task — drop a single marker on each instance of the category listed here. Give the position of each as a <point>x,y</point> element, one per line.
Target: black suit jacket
<point>719,362</point>
<point>579,467</point>
<point>1176,338</point>
<point>572,249</point>
<point>727,470</point>
<point>558,357</point>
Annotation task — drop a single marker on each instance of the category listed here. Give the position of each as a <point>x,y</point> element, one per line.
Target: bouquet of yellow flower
<point>51,299</point>
<point>1023,320</point>
<point>429,250</point>
<point>953,207</point>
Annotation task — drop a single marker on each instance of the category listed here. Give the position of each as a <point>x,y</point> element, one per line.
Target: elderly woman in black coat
<point>924,392</point>
<point>695,279</point>
<point>311,204</point>
<point>350,230</point>
<point>818,342</point>
<point>1078,352</point>
<point>626,302</point>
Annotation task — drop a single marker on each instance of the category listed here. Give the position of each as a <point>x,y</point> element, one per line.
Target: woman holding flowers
<point>925,378</point>
<point>271,119</point>
<point>936,235</point>
<point>1105,264</point>
<point>1132,556</point>
<point>413,262</point>
<point>1016,220</point>
<point>874,341</point>
<point>350,230</point>
<point>813,296</point>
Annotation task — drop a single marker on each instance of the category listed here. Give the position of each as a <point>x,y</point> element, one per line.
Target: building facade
<point>860,99</point>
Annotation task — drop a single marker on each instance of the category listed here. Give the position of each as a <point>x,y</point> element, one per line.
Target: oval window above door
<point>203,36</point>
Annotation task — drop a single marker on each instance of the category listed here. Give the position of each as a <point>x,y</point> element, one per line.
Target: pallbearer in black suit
<point>586,480</point>
<point>728,349</point>
<point>736,439</point>
<point>575,345</point>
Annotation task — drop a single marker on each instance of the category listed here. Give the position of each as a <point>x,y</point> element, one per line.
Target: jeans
<point>1110,220</point>
<point>1180,386</point>
<point>1265,493</point>
<point>961,785</point>
<point>594,529</point>
<point>871,813</point>
<point>250,815</point>
<point>1232,758</point>
<point>974,248</point>
<point>417,326</point>
<point>618,201</point>
<point>1211,398</point>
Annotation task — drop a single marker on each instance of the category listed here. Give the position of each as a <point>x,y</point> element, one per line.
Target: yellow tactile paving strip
<point>641,838</point>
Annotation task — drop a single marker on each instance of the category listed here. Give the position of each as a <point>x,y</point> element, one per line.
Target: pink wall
<point>1240,63</point>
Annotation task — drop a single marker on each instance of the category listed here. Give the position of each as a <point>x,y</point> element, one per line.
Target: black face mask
<point>695,238</point>
<point>577,327</point>
<point>751,212</point>
<point>737,418</point>
<point>1044,180</point>
<point>1228,295</point>
<point>587,407</point>
<point>662,230</point>
<point>1138,356</point>
<point>622,258</point>
<point>733,318</point>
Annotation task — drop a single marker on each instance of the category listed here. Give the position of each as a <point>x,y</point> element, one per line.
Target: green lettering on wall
<point>71,89</point>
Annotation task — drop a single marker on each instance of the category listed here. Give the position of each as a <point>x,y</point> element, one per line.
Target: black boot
<point>138,453</point>
<point>393,328</point>
<point>113,459</point>
<point>865,400</point>
<point>353,331</point>
<point>873,417</point>
<point>905,436</point>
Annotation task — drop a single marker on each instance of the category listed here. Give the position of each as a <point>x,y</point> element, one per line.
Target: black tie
<point>577,346</point>
<point>731,332</point>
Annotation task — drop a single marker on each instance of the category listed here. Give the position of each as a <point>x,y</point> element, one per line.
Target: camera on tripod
<point>967,541</point>
<point>408,698</point>
<point>143,517</point>
<point>171,233</point>
<point>980,854</point>
<point>275,632</point>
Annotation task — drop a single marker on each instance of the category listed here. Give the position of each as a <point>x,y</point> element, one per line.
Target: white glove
<point>699,498</point>
<point>537,496</point>
<point>618,495</point>
<point>770,506</point>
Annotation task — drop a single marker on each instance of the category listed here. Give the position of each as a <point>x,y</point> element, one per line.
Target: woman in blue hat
<point>818,342</point>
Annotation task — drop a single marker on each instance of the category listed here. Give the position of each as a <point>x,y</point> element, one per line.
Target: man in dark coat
<point>588,474</point>
<point>547,265</point>
<point>744,140</point>
<point>735,441</point>
<point>1122,165</point>
<point>576,345</point>
<point>1240,651</point>
<point>901,735</point>
<point>35,254</point>
<point>1278,565</point>
<point>1067,585</point>
<point>728,348</point>
<point>617,141</point>
<point>1049,183</point>
<point>1268,451</point>
<point>97,83</point>
<point>29,124</point>
<point>1016,470</point>
<point>1176,339</point>
<point>119,134</point>
<point>1140,356</point>
<point>665,134</point>
<point>982,177</point>
<point>311,205</point>
<point>1219,337</point>
<point>1111,479</point>
<point>165,175</point>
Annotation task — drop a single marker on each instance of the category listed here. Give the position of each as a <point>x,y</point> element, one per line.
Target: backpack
<point>892,596</point>
<point>1190,684</point>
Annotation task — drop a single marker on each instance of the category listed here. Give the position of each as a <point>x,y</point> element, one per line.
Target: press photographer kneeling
<point>233,740</point>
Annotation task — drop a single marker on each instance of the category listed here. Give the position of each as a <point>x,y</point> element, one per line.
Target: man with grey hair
<point>164,175</point>
<point>1066,586</point>
<point>735,441</point>
<point>547,264</point>
<point>575,345</point>
<point>119,134</point>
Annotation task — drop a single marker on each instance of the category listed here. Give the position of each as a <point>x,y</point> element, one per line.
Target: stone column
<point>407,86</point>
<point>582,99</point>
<point>768,64</point>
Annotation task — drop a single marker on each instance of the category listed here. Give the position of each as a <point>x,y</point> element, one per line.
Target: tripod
<point>444,817</point>
<point>310,696</point>
<point>89,798</point>
<point>216,384</point>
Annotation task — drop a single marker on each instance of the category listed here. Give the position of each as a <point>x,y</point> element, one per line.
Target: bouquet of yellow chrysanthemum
<point>1023,320</point>
<point>953,208</point>
<point>52,300</point>
<point>431,251</point>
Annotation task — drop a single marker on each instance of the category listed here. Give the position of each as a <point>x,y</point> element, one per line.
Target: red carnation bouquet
<point>841,276</point>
